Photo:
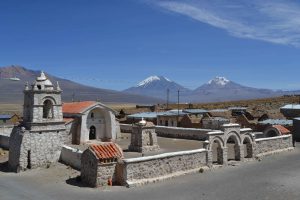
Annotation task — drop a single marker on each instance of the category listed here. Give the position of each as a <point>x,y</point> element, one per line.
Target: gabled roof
<point>106,151</point>
<point>282,130</point>
<point>81,107</point>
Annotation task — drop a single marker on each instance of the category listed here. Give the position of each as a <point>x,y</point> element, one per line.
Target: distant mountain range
<point>13,79</point>
<point>215,90</point>
<point>149,91</point>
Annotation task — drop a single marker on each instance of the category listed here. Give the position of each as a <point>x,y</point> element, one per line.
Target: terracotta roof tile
<point>282,129</point>
<point>107,150</point>
<point>76,107</point>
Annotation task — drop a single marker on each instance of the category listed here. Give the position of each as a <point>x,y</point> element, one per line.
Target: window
<point>48,109</point>
<point>92,115</point>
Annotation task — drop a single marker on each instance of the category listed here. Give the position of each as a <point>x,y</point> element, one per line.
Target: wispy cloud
<point>275,21</point>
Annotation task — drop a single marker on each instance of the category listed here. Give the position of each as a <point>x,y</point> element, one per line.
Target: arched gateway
<point>231,143</point>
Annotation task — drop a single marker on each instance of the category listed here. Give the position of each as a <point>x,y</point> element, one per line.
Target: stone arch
<point>217,150</point>
<point>248,146</point>
<point>100,118</point>
<point>271,132</point>
<point>48,109</point>
<point>92,133</point>
<point>233,146</point>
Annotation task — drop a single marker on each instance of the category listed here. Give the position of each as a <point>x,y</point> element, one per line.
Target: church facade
<point>38,140</point>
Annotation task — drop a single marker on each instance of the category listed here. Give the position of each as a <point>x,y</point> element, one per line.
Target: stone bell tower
<point>42,106</point>
<point>37,142</point>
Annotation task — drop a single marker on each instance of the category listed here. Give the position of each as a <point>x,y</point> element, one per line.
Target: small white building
<point>90,120</point>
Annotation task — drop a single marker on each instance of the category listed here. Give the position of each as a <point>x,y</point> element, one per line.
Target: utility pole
<point>168,96</point>
<point>73,96</point>
<point>178,108</point>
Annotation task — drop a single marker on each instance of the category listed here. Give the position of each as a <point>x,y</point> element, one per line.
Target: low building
<point>214,123</point>
<point>276,130</point>
<point>98,164</point>
<point>170,118</point>
<point>296,130</point>
<point>148,116</point>
<point>9,119</point>
<point>291,111</point>
<point>90,120</point>
<point>237,111</point>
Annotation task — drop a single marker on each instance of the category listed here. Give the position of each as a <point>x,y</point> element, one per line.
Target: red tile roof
<point>282,129</point>
<point>77,107</point>
<point>107,151</point>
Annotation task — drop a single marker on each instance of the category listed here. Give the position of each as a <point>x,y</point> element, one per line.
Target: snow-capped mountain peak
<point>152,79</point>
<point>222,81</point>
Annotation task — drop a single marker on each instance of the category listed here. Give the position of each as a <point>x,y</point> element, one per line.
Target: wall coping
<point>164,155</point>
<point>215,133</point>
<point>230,125</point>
<point>245,129</point>
<point>72,149</point>
<point>180,128</point>
<point>273,138</point>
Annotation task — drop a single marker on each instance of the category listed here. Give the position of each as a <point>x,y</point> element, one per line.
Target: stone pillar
<point>224,157</point>
<point>209,154</point>
<point>143,137</point>
<point>237,152</point>
<point>241,152</point>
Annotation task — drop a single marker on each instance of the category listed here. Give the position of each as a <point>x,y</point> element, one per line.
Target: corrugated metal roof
<point>5,116</point>
<point>143,115</point>
<point>277,122</point>
<point>291,106</point>
<point>171,113</point>
<point>195,111</point>
<point>106,151</point>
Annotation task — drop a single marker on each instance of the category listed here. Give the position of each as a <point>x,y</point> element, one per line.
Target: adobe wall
<point>270,145</point>
<point>137,171</point>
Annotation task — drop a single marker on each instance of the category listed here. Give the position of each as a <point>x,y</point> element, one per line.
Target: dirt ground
<point>166,145</point>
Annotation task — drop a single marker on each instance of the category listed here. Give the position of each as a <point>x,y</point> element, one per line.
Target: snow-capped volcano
<point>151,79</point>
<point>157,86</point>
<point>218,80</point>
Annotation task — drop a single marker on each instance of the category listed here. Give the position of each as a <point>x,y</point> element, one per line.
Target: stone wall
<point>106,172</point>
<point>71,157</point>
<point>142,170</point>
<point>34,149</point>
<point>182,133</point>
<point>272,144</point>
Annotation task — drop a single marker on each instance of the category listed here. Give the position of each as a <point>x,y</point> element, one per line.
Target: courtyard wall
<point>138,171</point>
<point>273,144</point>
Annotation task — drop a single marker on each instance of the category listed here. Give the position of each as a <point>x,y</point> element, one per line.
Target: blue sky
<point>116,43</point>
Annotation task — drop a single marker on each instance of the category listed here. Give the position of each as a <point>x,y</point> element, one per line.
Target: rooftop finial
<point>57,86</point>
<point>26,86</point>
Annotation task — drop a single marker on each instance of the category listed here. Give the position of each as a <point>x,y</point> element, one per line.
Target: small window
<point>92,115</point>
<point>39,87</point>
